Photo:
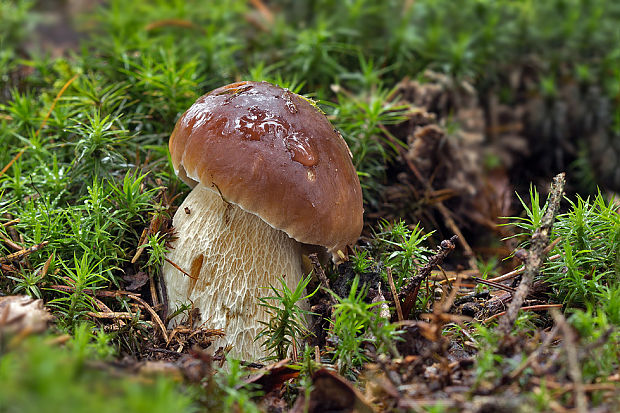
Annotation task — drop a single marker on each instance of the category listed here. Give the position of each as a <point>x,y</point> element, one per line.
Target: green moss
<point>42,377</point>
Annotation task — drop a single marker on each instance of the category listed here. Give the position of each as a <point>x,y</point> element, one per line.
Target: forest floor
<point>463,293</point>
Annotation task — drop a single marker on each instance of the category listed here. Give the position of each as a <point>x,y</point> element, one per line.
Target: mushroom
<point>270,176</point>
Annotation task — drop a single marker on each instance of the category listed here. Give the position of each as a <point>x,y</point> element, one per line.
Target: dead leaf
<point>136,281</point>
<point>273,376</point>
<point>332,393</point>
<point>20,314</point>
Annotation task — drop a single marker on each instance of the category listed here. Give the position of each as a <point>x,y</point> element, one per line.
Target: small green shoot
<point>237,393</point>
<point>355,321</point>
<point>287,323</point>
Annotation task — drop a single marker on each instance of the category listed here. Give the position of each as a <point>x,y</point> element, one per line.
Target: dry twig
<point>494,284</point>
<point>12,244</point>
<point>179,268</point>
<point>399,310</point>
<point>411,286</point>
<point>263,10</point>
<point>574,369</point>
<point>47,115</point>
<point>153,313</point>
<point>22,253</point>
<point>11,222</point>
<point>528,308</point>
<point>116,315</point>
<point>97,293</point>
<point>534,355</point>
<point>318,270</point>
<point>535,256</point>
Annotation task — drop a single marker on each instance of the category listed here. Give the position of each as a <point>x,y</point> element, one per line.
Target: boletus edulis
<point>270,176</point>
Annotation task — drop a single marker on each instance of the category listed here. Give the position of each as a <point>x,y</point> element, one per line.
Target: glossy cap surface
<point>276,155</point>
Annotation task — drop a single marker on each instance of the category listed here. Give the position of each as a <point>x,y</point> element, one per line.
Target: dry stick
<point>11,222</point>
<point>399,310</point>
<point>15,158</point>
<point>163,294</point>
<point>537,307</point>
<point>105,309</point>
<point>535,256</point>
<point>185,24</point>
<point>520,270</point>
<point>564,388</point>
<point>12,244</point>
<point>112,315</point>
<point>7,268</point>
<point>179,268</point>
<point>508,275</point>
<point>581,403</point>
<point>46,266</point>
<point>494,285</point>
<point>600,341</point>
<point>153,290</point>
<point>153,313</point>
<point>445,277</point>
<point>551,246</point>
<point>58,95</point>
<point>141,245</point>
<point>96,293</point>
<point>411,286</point>
<point>318,270</point>
<point>13,234</point>
<point>449,300</point>
<point>22,253</point>
<point>152,228</point>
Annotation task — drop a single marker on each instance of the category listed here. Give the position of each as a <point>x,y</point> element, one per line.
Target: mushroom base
<point>232,256</point>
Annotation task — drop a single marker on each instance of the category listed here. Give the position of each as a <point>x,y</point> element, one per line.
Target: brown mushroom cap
<point>274,154</point>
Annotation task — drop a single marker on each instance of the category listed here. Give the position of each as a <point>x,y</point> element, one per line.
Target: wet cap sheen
<point>274,154</point>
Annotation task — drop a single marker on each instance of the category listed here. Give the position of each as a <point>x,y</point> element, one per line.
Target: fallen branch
<point>411,286</point>
<point>535,256</point>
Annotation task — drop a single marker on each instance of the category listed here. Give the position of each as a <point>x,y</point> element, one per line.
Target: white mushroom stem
<point>232,256</point>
